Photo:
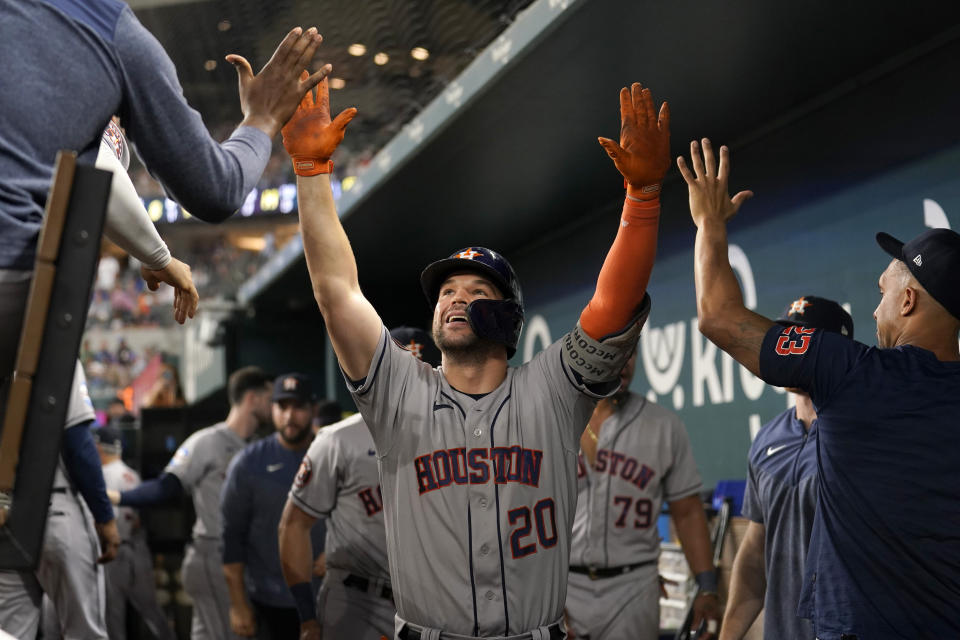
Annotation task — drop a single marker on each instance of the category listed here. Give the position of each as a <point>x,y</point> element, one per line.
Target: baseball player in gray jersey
<point>478,461</point>
<point>199,467</point>
<point>68,572</point>
<point>129,578</point>
<point>634,454</point>
<point>339,481</point>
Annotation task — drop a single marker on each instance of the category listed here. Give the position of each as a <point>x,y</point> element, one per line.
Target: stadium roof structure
<point>505,154</point>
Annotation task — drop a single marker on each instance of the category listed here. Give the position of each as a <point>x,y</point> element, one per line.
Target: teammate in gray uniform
<point>478,461</point>
<point>129,578</point>
<point>68,571</point>
<point>199,466</point>
<point>634,455</point>
<point>338,480</point>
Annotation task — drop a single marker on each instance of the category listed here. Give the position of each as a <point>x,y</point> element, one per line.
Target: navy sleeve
<point>235,512</point>
<point>83,464</point>
<point>814,360</point>
<point>148,493</point>
<point>210,180</point>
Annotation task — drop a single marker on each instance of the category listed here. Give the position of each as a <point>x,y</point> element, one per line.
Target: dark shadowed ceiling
<point>522,161</point>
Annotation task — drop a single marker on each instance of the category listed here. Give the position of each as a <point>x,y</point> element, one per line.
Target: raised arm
<point>642,157</point>
<point>352,323</point>
<point>210,180</point>
<point>722,316</point>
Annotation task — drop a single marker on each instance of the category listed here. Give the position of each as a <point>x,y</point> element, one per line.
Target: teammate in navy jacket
<point>884,556</point>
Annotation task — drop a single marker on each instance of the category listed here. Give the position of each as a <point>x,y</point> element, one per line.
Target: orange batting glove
<point>310,137</point>
<point>643,155</point>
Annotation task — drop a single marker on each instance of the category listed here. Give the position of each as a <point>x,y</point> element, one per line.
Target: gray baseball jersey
<point>129,577</point>
<point>643,458</point>
<point>339,481</point>
<point>201,466</point>
<point>68,572</point>
<point>120,477</point>
<point>479,494</point>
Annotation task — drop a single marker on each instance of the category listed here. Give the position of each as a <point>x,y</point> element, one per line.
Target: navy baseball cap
<point>418,342</point>
<point>109,436</point>
<point>293,386</point>
<point>818,313</point>
<point>933,258</point>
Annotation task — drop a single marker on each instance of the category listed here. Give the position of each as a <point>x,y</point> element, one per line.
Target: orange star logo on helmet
<point>799,306</point>
<point>290,384</point>
<point>415,348</point>
<point>469,254</point>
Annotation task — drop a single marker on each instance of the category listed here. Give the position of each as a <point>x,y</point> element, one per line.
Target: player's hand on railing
<point>177,274</point>
<point>242,621</point>
<point>310,137</point>
<point>643,154</point>
<point>109,540</point>
<point>707,182</point>
<point>706,612</point>
<point>269,98</point>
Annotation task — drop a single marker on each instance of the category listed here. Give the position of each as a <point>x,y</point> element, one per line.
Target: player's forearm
<point>626,270</point>
<point>352,323</point>
<point>747,587</point>
<point>296,550</point>
<point>691,525</point>
<point>127,223</point>
<point>233,572</point>
<point>330,259</point>
<point>152,492</point>
<point>83,464</point>
<point>722,316</point>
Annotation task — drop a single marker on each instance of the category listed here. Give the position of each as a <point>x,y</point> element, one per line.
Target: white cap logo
<point>918,261</point>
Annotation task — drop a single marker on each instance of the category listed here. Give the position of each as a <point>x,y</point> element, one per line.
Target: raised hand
<point>269,98</point>
<point>709,197</point>
<point>310,137</point>
<point>643,155</point>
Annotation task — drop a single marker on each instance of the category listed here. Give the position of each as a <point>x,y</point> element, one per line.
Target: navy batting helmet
<point>496,320</point>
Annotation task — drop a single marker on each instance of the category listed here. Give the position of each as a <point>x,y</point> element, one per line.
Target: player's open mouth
<point>457,317</point>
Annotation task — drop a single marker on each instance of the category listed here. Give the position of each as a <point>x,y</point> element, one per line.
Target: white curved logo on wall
<point>535,330</point>
<point>662,350</point>
<point>933,215</point>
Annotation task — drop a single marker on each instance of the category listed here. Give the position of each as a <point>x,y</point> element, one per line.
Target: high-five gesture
<point>310,137</point>
<point>269,98</point>
<point>709,199</point>
<point>643,155</point>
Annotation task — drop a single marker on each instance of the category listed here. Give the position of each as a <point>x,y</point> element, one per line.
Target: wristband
<point>646,192</point>
<point>311,167</point>
<point>707,581</point>
<point>305,602</point>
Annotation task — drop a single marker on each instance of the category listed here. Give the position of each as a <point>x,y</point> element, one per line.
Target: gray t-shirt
<point>479,495</point>
<point>781,494</point>
<point>201,466</point>
<point>643,458</point>
<point>338,480</point>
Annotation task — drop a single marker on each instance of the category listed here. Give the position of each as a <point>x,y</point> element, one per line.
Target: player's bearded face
<point>293,420</point>
<point>451,330</point>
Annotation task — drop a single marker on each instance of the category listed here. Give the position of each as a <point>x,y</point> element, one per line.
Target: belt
<point>598,573</point>
<point>58,490</point>
<point>408,633</point>
<point>363,584</point>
